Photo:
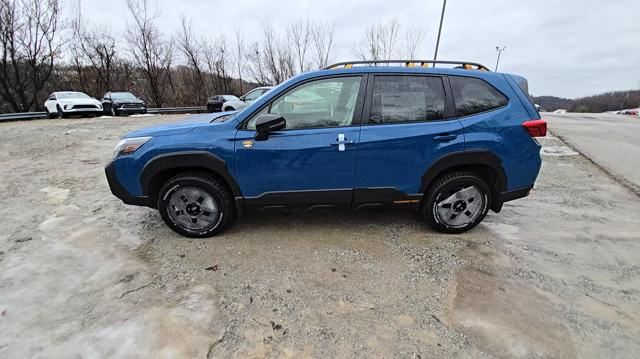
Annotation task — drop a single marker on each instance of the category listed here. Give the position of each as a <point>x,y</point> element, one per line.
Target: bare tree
<point>151,52</point>
<point>256,65</point>
<point>323,36</point>
<point>189,48</point>
<point>380,41</point>
<point>216,54</point>
<point>412,40</point>
<point>29,45</point>
<point>240,56</point>
<point>93,56</point>
<point>300,35</point>
<point>270,53</point>
<point>223,63</point>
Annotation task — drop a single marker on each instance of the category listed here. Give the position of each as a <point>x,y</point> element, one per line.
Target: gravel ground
<point>83,275</point>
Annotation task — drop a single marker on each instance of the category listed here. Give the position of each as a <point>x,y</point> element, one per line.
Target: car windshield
<point>123,96</point>
<point>253,94</point>
<point>230,98</point>
<point>72,95</point>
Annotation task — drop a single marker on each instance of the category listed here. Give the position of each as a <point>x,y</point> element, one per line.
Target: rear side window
<point>407,99</point>
<point>474,96</point>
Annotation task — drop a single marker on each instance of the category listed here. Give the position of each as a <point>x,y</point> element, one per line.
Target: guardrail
<point>177,109</point>
<point>24,116</point>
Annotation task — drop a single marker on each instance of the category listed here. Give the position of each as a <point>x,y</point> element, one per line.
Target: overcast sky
<point>567,48</point>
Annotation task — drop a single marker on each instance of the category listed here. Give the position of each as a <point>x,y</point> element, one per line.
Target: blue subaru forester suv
<point>449,142</point>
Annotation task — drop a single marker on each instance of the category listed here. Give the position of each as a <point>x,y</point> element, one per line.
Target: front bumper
<point>131,109</point>
<point>82,111</point>
<point>121,192</point>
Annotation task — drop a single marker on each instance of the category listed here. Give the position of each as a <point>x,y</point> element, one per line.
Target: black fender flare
<point>469,158</point>
<point>187,159</point>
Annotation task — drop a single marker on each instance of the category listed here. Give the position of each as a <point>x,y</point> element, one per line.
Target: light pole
<point>435,56</point>
<point>499,49</point>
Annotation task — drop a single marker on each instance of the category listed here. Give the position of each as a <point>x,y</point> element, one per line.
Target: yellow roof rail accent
<point>410,64</point>
<point>348,66</point>
<point>425,64</point>
<point>467,67</point>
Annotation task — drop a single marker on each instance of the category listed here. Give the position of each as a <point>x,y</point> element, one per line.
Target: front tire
<point>60,112</point>
<point>456,202</point>
<point>195,205</point>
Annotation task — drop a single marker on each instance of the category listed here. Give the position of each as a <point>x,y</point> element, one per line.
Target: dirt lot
<point>83,275</point>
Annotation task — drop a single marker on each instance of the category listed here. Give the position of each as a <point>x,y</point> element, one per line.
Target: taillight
<point>536,128</point>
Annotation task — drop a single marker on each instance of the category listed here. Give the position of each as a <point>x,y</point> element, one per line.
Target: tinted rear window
<point>475,95</point>
<point>407,99</point>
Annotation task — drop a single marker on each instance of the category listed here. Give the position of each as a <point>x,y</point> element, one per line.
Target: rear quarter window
<point>474,95</point>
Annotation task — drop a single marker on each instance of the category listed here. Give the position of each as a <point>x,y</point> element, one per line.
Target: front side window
<point>321,103</point>
<point>407,99</point>
<point>474,95</point>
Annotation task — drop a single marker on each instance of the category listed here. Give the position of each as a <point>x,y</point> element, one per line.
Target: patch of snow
<point>558,151</point>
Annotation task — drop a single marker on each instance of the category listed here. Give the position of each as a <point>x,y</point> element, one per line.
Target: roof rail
<point>408,63</point>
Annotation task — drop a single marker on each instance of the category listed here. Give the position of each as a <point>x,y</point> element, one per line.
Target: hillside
<point>610,101</point>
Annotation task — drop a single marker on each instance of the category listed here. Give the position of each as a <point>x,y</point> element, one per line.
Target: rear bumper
<point>121,192</point>
<point>515,194</point>
<point>510,196</point>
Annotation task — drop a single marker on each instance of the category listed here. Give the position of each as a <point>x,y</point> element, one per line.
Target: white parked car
<point>560,111</point>
<point>246,99</point>
<point>69,103</point>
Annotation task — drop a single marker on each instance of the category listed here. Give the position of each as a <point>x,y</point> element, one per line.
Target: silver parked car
<point>246,99</point>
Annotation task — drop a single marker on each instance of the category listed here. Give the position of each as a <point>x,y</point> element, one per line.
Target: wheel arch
<point>484,163</point>
<point>162,167</point>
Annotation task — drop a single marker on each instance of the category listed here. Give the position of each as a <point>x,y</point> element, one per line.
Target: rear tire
<point>49,114</point>
<point>456,202</point>
<point>196,205</point>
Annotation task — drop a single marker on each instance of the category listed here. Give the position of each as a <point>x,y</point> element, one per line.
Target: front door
<point>311,161</point>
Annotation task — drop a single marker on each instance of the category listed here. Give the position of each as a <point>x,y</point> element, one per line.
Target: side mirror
<point>266,123</point>
<point>242,98</point>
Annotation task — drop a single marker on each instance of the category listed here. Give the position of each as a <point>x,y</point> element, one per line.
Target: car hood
<point>177,128</point>
<point>79,101</point>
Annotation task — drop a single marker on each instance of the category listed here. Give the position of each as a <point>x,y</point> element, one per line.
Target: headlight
<point>129,145</point>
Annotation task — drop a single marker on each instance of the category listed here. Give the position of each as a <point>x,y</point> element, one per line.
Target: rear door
<point>408,123</point>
